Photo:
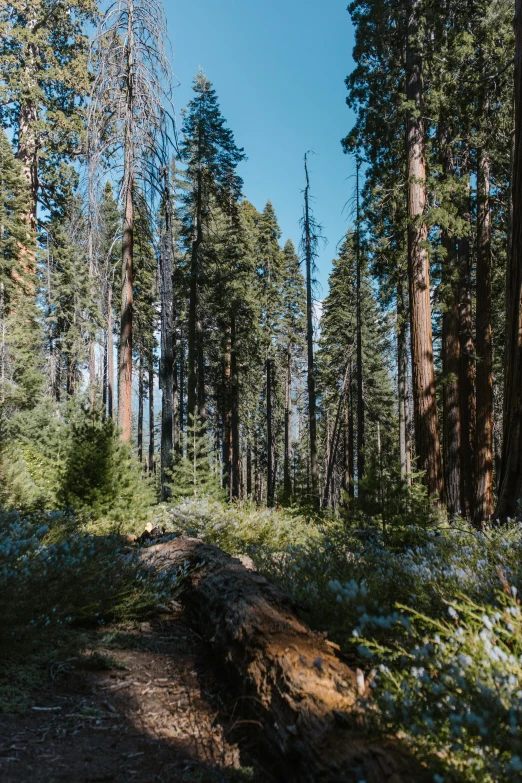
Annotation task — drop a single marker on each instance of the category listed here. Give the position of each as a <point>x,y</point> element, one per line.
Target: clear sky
<point>278,67</point>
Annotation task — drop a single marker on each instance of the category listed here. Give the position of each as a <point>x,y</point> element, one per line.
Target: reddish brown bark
<point>483,502</point>
<point>511,474</point>
<point>423,373</point>
<point>288,679</point>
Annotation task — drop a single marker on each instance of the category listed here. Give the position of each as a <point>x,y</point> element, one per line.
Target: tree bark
<point>403,385</point>
<point>450,368</point>
<point>125,352</point>
<point>152,466</point>
<point>483,505</point>
<point>288,679</point>
<point>466,375</point>
<point>192,381</point>
<point>511,481</point>
<point>287,479</point>
<point>110,355</point>
<point>167,343</point>
<point>269,435</point>
<point>249,468</point>
<point>360,378</point>
<point>423,372</point>
<point>312,414</point>
<point>141,395</point>
<point>234,389</point>
<point>227,414</point>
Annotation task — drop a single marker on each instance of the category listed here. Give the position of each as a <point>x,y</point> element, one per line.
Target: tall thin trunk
<point>257,488</point>
<point>451,391</point>
<point>227,414</point>
<point>334,440</point>
<point>125,352</point>
<point>451,407</point>
<point>175,408</point>
<point>348,449</point>
<point>269,435</point>
<point>403,384</point>
<point>248,467</point>
<point>234,389</point>
<point>92,349</point>
<point>181,359</point>
<point>152,466</point>
<point>287,479</point>
<point>351,459</point>
<point>167,343</point>
<point>312,414</point>
<point>200,351</point>
<point>511,473</point>
<point>466,373</point>
<point>360,390</point>
<point>141,394</point>
<point>423,372</point>
<point>483,505</point>
<point>105,376</point>
<point>192,399</point>
<point>110,355</point>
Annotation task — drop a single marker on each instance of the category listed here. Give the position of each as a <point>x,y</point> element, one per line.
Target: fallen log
<point>287,677</point>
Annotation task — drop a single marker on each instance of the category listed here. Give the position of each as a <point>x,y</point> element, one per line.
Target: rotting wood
<point>285,676</point>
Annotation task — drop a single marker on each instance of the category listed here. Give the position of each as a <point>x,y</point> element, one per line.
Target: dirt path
<point>159,716</point>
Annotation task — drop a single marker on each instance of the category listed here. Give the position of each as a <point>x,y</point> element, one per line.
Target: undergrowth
<point>430,613</point>
<point>58,584</point>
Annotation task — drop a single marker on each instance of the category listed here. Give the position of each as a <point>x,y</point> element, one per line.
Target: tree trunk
<point>450,368</point>
<point>423,373</point>
<point>348,449</point>
<point>192,381</point>
<point>312,414</point>
<point>249,468</point>
<point>360,390</point>
<point>141,394</point>
<point>167,344</point>
<point>403,385</point>
<point>511,482</point>
<point>227,414</point>
<point>152,466</point>
<point>125,352</point>
<point>257,481</point>
<point>466,376</point>
<point>294,688</point>
<point>181,403</point>
<point>287,479</point>
<point>483,505</point>
<point>236,467</point>
<point>28,142</point>
<point>92,348</point>
<point>269,436</point>
<point>110,355</point>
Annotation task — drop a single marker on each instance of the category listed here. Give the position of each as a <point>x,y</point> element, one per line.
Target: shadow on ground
<point>144,705</point>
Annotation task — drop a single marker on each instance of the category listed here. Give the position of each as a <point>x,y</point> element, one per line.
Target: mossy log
<point>287,678</point>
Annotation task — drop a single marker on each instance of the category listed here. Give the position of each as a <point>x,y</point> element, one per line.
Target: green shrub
<point>454,689</point>
<point>72,457</point>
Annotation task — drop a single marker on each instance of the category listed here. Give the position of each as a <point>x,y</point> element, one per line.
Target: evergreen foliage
<point>193,473</point>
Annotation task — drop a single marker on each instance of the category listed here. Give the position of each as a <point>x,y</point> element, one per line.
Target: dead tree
<point>309,246</point>
<point>130,121</point>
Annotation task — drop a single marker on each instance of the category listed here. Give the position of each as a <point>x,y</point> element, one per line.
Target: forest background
<point>161,356</point>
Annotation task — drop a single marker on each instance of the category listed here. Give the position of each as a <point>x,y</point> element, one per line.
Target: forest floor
<point>143,705</point>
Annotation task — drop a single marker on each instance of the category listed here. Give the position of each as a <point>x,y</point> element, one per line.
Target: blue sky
<point>278,67</point>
